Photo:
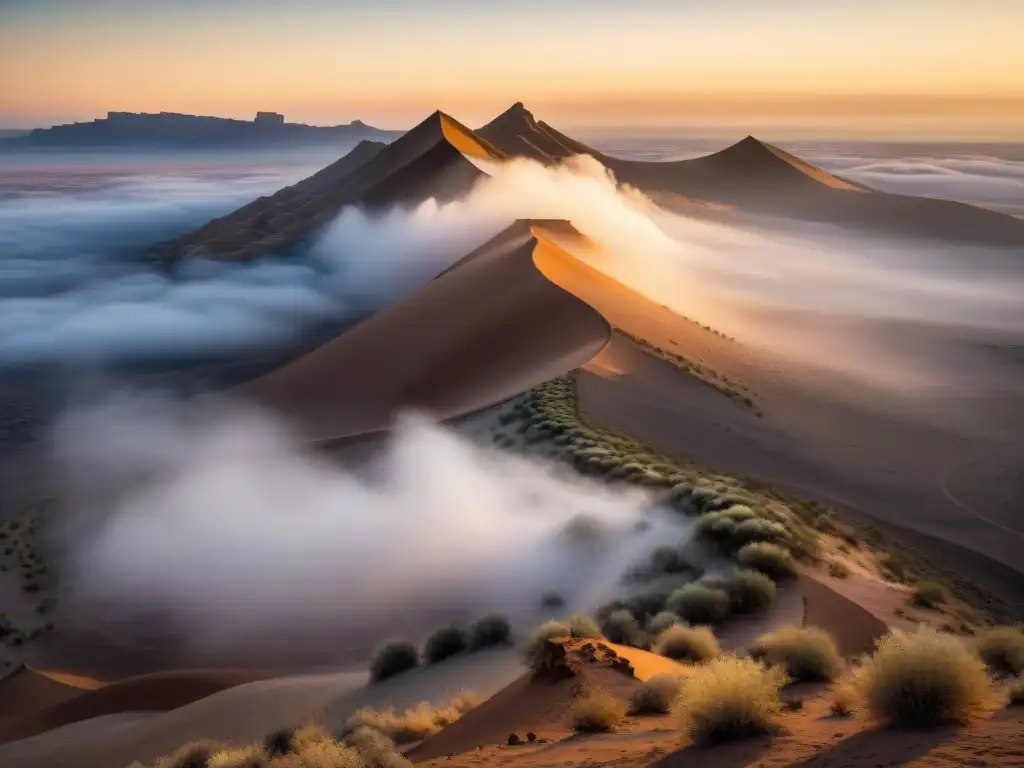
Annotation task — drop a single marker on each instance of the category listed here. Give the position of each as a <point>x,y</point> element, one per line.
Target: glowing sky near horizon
<point>935,68</point>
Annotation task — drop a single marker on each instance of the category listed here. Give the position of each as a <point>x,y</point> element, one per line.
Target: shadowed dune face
<point>486,330</point>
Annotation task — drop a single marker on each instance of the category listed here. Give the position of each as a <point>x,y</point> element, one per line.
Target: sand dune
<point>24,690</point>
<point>427,161</point>
<point>541,703</point>
<point>246,713</point>
<point>430,160</point>
<point>483,331</point>
<point>754,176</point>
<point>158,692</point>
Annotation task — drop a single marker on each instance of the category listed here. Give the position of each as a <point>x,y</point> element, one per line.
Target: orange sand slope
<point>541,703</point>
<point>485,330</point>
<point>26,690</point>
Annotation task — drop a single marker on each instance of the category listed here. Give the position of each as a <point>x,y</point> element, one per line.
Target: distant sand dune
<point>41,708</point>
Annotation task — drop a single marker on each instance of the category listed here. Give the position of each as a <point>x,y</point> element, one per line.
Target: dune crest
<point>488,328</point>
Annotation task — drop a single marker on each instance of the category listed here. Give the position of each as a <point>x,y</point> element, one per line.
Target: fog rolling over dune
<point>210,522</point>
<point>77,293</point>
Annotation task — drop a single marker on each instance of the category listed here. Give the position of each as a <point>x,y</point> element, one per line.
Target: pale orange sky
<point>939,69</point>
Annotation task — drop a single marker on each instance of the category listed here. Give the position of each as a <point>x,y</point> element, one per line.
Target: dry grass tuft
<point>750,591</point>
<point>445,643</point>
<point>770,559</point>
<point>582,626</point>
<point>805,653</point>
<point>393,658</point>
<point>700,604</point>
<point>621,627</point>
<point>923,678</point>
<point>844,699</point>
<point>837,569</point>
<point>687,644</point>
<point>929,594</point>
<point>729,699</point>
<point>1016,694</point>
<point>1002,649</point>
<point>597,713</point>
<point>491,630</point>
<point>656,696</point>
<point>414,724</point>
<point>662,621</point>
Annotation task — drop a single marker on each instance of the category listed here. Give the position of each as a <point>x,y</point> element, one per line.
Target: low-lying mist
<point>210,522</point>
<point>73,291</point>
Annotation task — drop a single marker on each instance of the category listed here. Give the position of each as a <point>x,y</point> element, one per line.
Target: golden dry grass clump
<point>730,698</point>
<point>1002,649</point>
<point>597,713</point>
<point>656,696</point>
<point>805,653</point>
<point>923,678</point>
<point>770,559</point>
<point>414,724</point>
<point>687,643</point>
<point>307,747</point>
<point>700,603</point>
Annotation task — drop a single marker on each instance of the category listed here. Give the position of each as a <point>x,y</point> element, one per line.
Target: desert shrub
<point>279,742</point>
<point>759,529</point>
<point>837,569</point>
<point>1002,649</point>
<point>667,559</point>
<point>928,594</point>
<point>1016,694</point>
<point>728,699</point>
<point>700,604</point>
<point>647,603</point>
<point>323,754</point>
<point>805,653</point>
<point>894,567</point>
<point>750,591</point>
<point>445,643</point>
<point>687,643</point>
<point>251,756</point>
<point>415,723</point>
<point>493,629</point>
<point>393,658</point>
<point>771,559</point>
<point>584,529</point>
<point>923,678</point>
<point>375,749</point>
<point>662,621</point>
<point>534,649</point>
<point>656,696</point>
<point>844,699</point>
<point>196,754</point>
<point>582,626</point>
<point>552,600</point>
<point>621,627</point>
<point>597,713</point>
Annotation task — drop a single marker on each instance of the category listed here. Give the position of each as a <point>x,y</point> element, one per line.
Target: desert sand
<point>483,331</point>
<point>521,310</point>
